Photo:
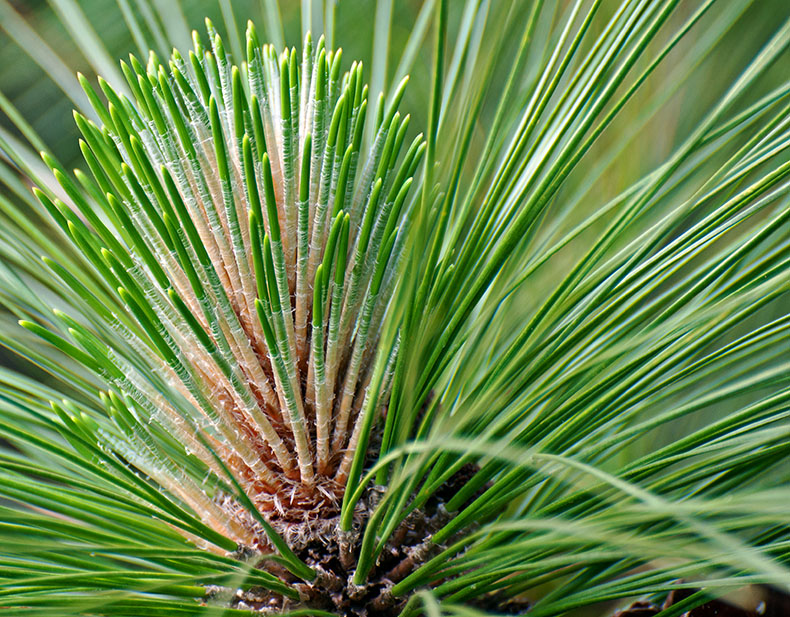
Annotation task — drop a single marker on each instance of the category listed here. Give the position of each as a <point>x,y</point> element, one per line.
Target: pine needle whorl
<point>252,232</point>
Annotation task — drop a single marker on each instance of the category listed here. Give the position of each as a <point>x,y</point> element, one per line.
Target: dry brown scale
<point>332,554</point>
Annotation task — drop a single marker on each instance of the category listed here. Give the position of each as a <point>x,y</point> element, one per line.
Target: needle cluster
<point>252,233</point>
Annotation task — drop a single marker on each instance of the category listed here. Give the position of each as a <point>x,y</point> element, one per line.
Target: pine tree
<point>284,349</point>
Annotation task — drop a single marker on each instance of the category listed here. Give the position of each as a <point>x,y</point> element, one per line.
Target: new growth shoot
<point>253,238</point>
